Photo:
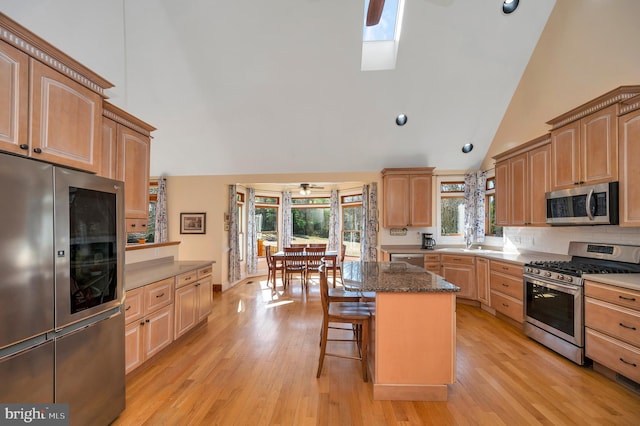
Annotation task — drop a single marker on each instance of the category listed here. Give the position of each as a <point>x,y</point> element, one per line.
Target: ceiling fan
<point>305,188</point>
<point>374,12</point>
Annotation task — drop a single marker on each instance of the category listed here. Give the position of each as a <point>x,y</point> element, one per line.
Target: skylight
<point>380,42</point>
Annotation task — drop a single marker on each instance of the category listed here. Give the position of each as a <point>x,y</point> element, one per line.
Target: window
<point>451,208</point>
<point>380,42</point>
<point>351,223</point>
<point>490,209</point>
<point>267,221</point>
<point>150,233</point>
<point>310,217</point>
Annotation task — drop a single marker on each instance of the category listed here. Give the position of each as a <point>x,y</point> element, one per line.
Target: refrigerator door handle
<point>88,322</point>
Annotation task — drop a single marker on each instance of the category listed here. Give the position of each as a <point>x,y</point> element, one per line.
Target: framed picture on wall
<point>193,223</point>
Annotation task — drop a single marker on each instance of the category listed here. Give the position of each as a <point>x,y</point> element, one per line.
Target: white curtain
<point>474,200</point>
<point>370,225</point>
<point>334,221</point>
<point>234,247</point>
<point>287,223</point>
<point>252,236</point>
<point>161,212</point>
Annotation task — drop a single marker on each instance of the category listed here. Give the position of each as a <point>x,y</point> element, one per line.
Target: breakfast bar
<point>413,339</point>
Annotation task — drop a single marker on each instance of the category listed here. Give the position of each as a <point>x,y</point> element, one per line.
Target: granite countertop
<point>142,273</point>
<point>519,258</point>
<point>629,281</point>
<point>394,277</point>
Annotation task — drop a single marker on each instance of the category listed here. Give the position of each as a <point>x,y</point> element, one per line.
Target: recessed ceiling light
<point>467,148</point>
<point>401,120</point>
<point>509,6</point>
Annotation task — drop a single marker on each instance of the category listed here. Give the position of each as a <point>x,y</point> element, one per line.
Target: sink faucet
<point>468,237</point>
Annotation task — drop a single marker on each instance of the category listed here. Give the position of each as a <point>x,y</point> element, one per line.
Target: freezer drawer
<point>27,376</point>
<point>89,371</point>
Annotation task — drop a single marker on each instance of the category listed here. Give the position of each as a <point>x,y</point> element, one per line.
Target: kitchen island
<point>413,339</point>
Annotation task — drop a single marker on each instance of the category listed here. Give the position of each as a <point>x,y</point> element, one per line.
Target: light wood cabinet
<point>50,104</point>
<point>629,159</point>
<point>612,333</point>
<point>126,148</point>
<point>507,289</point>
<point>460,271</point>
<point>14,100</point>
<point>407,197</point>
<point>432,263</point>
<point>46,115</point>
<point>584,141</point>
<point>522,179</point>
<point>482,280</point>
<point>149,321</point>
<point>194,297</point>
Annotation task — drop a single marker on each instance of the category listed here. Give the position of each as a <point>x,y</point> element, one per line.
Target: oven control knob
<point>569,279</point>
<point>547,274</point>
<point>536,271</point>
<point>560,277</point>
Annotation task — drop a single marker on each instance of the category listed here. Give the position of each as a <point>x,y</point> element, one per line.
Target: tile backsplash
<point>556,239</point>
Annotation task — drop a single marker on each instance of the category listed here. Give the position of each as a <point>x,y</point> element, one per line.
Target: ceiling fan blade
<point>375,12</point>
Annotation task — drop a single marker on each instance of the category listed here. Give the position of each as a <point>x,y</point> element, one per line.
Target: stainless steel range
<point>554,297</point>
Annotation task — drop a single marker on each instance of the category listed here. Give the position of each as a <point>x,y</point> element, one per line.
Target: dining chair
<point>294,262</point>
<point>273,267</point>
<point>314,257</point>
<point>324,245</point>
<point>298,245</point>
<point>355,314</point>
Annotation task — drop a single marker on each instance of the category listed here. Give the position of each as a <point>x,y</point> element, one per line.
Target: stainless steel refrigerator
<point>61,289</point>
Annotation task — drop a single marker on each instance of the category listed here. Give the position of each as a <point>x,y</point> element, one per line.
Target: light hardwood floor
<point>254,363</point>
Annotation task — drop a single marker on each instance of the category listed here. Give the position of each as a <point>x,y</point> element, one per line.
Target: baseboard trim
<point>400,392</point>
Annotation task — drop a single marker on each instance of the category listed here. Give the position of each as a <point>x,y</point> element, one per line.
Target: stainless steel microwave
<point>584,205</point>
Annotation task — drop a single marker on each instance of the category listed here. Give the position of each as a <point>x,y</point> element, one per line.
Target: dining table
<point>331,256</point>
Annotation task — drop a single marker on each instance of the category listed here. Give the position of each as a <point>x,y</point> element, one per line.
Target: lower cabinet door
<point>205,298</point>
<point>186,304</point>
<point>133,345</point>
<point>158,330</point>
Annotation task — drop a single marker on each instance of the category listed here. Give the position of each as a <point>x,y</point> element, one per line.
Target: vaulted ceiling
<point>247,86</point>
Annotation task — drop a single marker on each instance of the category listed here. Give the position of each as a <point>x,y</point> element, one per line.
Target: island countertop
<point>394,277</point>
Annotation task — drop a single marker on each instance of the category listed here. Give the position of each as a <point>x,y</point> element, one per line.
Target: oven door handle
<point>590,211</point>
<point>571,289</point>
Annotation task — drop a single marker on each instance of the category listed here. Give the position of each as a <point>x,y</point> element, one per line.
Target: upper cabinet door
<point>420,200</point>
<point>66,120</point>
<point>629,128</point>
<point>396,201</point>
<point>539,184</point>
<point>133,168</point>
<point>599,147</point>
<point>108,153</point>
<point>503,193</point>
<point>565,152</point>
<point>14,98</point>
<point>519,185</point>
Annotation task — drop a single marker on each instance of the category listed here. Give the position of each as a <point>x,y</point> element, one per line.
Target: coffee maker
<point>427,241</point>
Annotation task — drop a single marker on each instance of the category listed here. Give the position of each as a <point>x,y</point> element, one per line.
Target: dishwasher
<point>416,259</point>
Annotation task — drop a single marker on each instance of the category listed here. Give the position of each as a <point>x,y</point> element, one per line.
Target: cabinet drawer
<point>133,305</point>
<point>186,278</point>
<point>506,268</point>
<point>157,295</point>
<point>616,321</point>
<point>507,305</point>
<point>618,295</point>
<point>136,225</point>
<point>431,258</point>
<point>432,267</point>
<point>205,272</point>
<point>452,258</point>
<point>507,284</point>
<point>612,353</point>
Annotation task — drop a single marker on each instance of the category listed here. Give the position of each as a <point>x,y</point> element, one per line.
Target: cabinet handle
<point>159,295</point>
<point>506,305</point>
<point>505,268</point>
<point>146,321</point>
<point>133,225</point>
<point>127,308</point>
<point>187,279</point>
<point>627,327</point>
<point>633,364</point>
<point>23,146</point>
<point>505,285</point>
<point>630,299</point>
<point>37,150</point>
<point>142,323</point>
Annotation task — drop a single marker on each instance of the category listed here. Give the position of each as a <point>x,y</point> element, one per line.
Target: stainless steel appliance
<point>61,289</point>
<point>554,297</point>
<point>428,242</point>
<point>584,205</point>
<point>416,259</point>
